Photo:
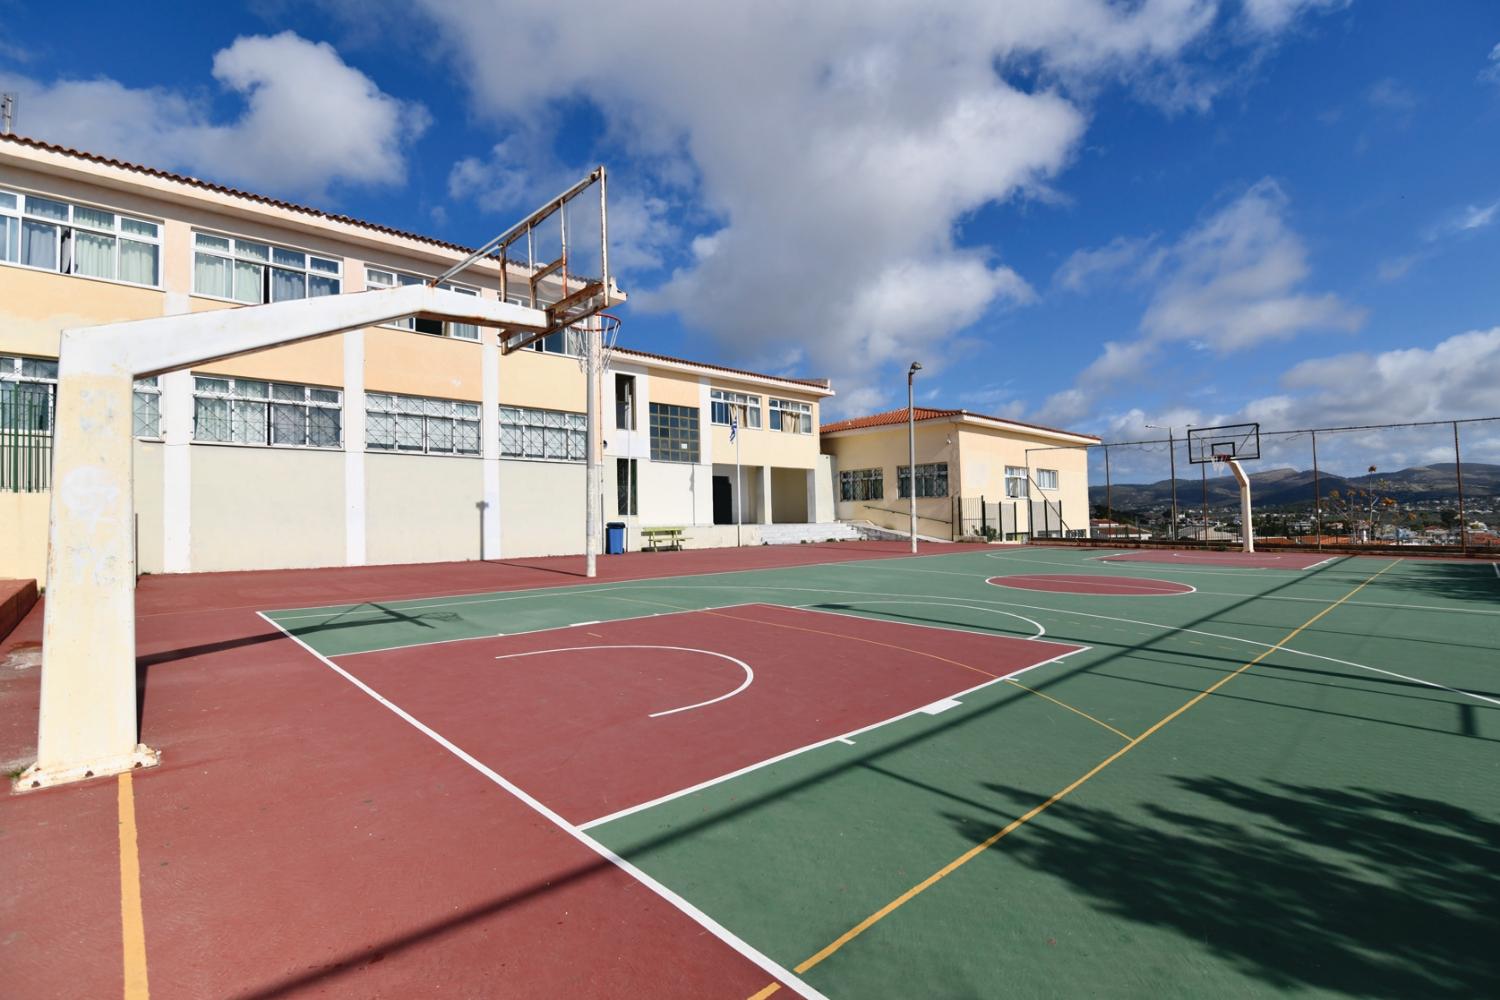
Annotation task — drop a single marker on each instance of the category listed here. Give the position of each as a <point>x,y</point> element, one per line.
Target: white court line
<point>702,919</point>
<point>1040,630</point>
<point>788,755</point>
<point>1124,589</point>
<point>1162,628</point>
<point>749,674</point>
<point>535,631</point>
<point>1496,567</point>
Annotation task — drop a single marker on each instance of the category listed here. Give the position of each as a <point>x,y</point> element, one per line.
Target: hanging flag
<point>734,423</point>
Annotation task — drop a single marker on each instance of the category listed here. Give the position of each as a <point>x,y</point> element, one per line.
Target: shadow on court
<point>1473,581</point>
<point>1352,890</point>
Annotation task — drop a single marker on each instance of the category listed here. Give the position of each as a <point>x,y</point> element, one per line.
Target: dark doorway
<point>723,501</point>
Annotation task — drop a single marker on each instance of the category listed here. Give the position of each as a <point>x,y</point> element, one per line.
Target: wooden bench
<point>658,538</point>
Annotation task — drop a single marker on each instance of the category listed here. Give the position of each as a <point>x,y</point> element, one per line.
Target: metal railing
<point>25,442</point>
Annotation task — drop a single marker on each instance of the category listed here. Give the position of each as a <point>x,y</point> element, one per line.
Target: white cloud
<point>1491,73</point>
<point>833,148</point>
<point>1476,216</point>
<point>1135,259</point>
<point>1269,16</point>
<point>310,120</point>
<point>1389,95</point>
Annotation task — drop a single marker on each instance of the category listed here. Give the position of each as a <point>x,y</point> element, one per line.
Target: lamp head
<point>916,366</point>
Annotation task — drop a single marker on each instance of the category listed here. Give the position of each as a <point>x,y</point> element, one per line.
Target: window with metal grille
<point>421,425</point>
<point>674,433</point>
<point>249,411</point>
<point>862,484</point>
<point>553,435</point>
<point>932,480</point>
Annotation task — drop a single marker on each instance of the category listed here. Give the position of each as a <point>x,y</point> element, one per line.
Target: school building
<point>418,441</point>
<point>977,476</point>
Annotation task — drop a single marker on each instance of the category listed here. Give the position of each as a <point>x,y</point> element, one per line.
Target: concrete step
<point>796,534</point>
<point>16,598</point>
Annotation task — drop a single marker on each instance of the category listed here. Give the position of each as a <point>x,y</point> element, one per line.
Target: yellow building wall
<point>23,536</point>
<point>38,306</point>
<point>788,496</point>
<point>886,449</point>
<point>763,446</point>
<point>545,382</point>
<point>418,364</point>
<point>148,501</point>
<point>674,388</point>
<point>986,453</point>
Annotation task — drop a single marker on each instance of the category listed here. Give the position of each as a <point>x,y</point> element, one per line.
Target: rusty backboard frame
<point>554,285</point>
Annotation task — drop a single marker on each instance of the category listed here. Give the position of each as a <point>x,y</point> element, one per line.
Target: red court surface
<point>1083,583</point>
<point>1243,560</point>
<point>299,838</point>
<point>595,719</point>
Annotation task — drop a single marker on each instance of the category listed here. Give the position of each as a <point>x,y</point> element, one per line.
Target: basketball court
<point>832,770</point>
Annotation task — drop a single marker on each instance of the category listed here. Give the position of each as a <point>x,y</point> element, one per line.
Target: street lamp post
<point>911,453</point>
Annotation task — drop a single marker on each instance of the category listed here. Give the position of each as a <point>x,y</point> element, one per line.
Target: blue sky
<point>1071,211</point>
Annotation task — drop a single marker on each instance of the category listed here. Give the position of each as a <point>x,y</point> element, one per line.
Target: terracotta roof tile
<point>315,213</point>
<point>921,413</point>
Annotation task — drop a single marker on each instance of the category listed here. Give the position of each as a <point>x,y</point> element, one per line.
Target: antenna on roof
<point>7,113</point>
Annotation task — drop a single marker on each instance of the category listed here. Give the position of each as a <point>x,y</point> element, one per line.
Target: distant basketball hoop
<point>1239,442</point>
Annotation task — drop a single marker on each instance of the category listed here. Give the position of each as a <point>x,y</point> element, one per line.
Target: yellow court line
<point>133,927</point>
<point>1075,711</point>
<point>1058,796</point>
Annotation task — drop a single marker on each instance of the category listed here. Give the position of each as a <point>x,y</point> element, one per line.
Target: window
<point>420,425</point>
<point>862,484</point>
<point>791,417</point>
<point>1015,482</point>
<point>28,393</point>
<point>625,402</point>
<point>255,273</point>
<point>1046,479</point>
<point>76,239</point>
<point>723,401</point>
<point>932,480</point>
<point>674,433</point>
<point>146,416</point>
<point>248,411</point>
<point>627,486</point>
<point>379,278</point>
<point>548,434</point>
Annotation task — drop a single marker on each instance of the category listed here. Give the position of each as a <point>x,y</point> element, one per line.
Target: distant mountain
<point>1281,487</point>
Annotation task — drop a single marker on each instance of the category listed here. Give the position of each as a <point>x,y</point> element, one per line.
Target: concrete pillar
<point>763,515</point>
<point>87,721</point>
<point>354,448</point>
<point>177,471</point>
<point>489,446</point>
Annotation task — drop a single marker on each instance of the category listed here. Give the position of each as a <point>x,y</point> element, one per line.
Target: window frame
<point>66,231</point>
<point>665,420</point>
<point>928,476</point>
<point>428,409</point>
<point>1042,476</point>
<point>399,279</point>
<point>748,403</point>
<point>1017,473</point>
<point>778,408</point>
<point>235,254</point>
<point>237,399</point>
<point>535,443</point>
<point>854,482</point>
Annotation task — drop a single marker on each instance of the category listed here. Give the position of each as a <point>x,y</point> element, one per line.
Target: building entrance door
<point>723,500</point>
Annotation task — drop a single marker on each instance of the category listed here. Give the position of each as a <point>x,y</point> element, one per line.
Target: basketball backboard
<point>1240,442</point>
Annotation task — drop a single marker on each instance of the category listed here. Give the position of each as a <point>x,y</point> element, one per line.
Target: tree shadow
<point>1473,581</point>
<point>1354,890</point>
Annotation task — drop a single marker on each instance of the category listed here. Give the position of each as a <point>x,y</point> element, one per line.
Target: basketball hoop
<point>608,326</point>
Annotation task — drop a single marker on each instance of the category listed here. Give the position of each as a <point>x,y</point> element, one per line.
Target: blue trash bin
<point>614,538</point>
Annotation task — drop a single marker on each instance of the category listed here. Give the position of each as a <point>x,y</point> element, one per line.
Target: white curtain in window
<point>138,262</point>
<point>39,244</point>
<point>210,419</point>
<point>94,255</point>
<point>10,238</point>
<point>287,285</point>
<point>211,275</point>
<point>249,423</point>
<point>288,424</point>
<point>247,283</point>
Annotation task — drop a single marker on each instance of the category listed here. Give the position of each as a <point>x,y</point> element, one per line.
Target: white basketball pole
<point>1247,528</point>
<point>592,477</point>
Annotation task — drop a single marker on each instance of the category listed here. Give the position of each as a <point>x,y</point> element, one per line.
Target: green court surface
<point>1325,821</point>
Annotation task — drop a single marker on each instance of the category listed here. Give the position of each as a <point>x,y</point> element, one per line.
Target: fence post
<point>984,521</point>
<point>1317,493</point>
<point>1458,469</point>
